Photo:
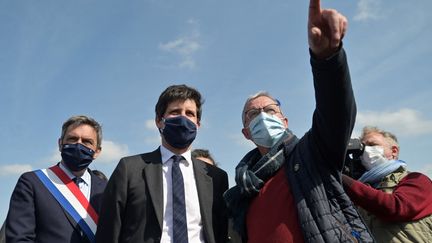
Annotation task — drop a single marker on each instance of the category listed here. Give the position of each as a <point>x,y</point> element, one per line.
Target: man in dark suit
<point>2,234</point>
<point>46,205</point>
<point>141,202</point>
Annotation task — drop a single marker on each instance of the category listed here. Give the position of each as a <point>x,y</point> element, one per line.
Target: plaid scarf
<point>251,174</point>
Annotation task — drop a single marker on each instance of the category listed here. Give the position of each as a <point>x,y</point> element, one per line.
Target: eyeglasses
<point>271,109</point>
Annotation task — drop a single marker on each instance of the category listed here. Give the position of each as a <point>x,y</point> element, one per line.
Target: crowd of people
<point>288,188</point>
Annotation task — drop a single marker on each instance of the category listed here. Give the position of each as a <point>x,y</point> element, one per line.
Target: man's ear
<point>285,121</point>
<point>159,123</point>
<point>246,133</point>
<point>59,142</point>
<point>97,152</point>
<point>395,151</point>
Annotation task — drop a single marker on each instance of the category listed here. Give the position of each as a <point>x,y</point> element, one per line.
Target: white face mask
<point>373,156</point>
<point>266,130</point>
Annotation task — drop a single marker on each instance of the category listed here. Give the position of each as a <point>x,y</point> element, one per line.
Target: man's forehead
<point>73,129</point>
<point>373,136</point>
<point>188,103</point>
<point>261,101</point>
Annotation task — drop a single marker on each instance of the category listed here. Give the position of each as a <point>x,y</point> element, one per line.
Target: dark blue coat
<point>314,167</point>
<point>36,216</point>
<point>132,209</point>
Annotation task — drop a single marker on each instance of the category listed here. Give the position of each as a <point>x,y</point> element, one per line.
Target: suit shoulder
<point>139,161</point>
<point>150,156</point>
<point>28,176</point>
<point>132,157</point>
<point>27,184</point>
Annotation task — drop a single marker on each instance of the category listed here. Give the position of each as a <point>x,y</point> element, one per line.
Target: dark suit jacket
<point>36,216</point>
<point>132,209</point>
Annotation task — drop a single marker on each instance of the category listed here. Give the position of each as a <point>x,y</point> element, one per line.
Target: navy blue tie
<point>179,209</point>
<point>77,180</point>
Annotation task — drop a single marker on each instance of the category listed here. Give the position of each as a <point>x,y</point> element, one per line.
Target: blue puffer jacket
<point>314,166</point>
<point>325,212</point>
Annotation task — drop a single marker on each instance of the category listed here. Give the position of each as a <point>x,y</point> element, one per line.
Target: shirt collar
<point>166,155</point>
<point>85,177</point>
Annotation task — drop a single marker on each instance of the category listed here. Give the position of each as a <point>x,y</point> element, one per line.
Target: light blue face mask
<point>266,129</point>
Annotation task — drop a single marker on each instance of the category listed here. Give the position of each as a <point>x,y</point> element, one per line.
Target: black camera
<point>353,166</point>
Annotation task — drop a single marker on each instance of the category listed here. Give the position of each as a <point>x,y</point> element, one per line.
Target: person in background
<point>100,174</point>
<point>61,203</point>
<point>289,189</point>
<point>167,195</point>
<point>395,203</point>
<point>204,155</point>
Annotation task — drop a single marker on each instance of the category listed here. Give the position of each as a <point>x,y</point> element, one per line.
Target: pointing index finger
<point>314,8</point>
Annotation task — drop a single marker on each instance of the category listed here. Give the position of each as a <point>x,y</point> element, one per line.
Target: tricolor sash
<point>70,197</point>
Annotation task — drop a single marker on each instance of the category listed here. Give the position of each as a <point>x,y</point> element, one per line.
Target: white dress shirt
<point>193,213</point>
<point>84,184</point>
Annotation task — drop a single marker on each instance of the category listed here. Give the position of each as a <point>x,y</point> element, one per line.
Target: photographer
<point>396,204</point>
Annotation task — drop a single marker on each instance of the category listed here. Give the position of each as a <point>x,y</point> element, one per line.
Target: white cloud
<point>367,10</point>
<point>112,152</point>
<point>150,124</point>
<point>185,46</point>
<point>152,137</point>
<point>404,122</point>
<point>187,62</point>
<point>14,169</point>
<point>54,157</point>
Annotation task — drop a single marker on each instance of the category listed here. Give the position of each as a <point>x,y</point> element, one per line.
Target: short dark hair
<point>178,92</point>
<point>203,153</point>
<point>79,120</point>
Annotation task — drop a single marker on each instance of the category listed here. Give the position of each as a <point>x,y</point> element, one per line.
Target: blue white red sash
<point>70,197</point>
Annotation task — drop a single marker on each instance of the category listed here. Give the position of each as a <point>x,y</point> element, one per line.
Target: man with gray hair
<point>289,189</point>
<point>61,203</point>
<point>396,204</point>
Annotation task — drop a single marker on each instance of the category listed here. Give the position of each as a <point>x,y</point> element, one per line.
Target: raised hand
<point>326,28</point>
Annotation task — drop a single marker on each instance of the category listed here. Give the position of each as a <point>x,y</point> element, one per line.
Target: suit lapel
<point>204,185</point>
<point>153,177</point>
<point>96,190</point>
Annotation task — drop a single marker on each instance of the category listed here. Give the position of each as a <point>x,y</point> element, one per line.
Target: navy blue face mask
<point>179,131</point>
<point>76,156</point>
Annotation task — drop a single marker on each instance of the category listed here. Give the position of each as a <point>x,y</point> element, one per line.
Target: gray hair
<point>252,97</point>
<point>389,137</point>
<point>79,120</point>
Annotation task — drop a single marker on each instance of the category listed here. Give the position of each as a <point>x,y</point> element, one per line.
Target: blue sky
<point>111,60</point>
